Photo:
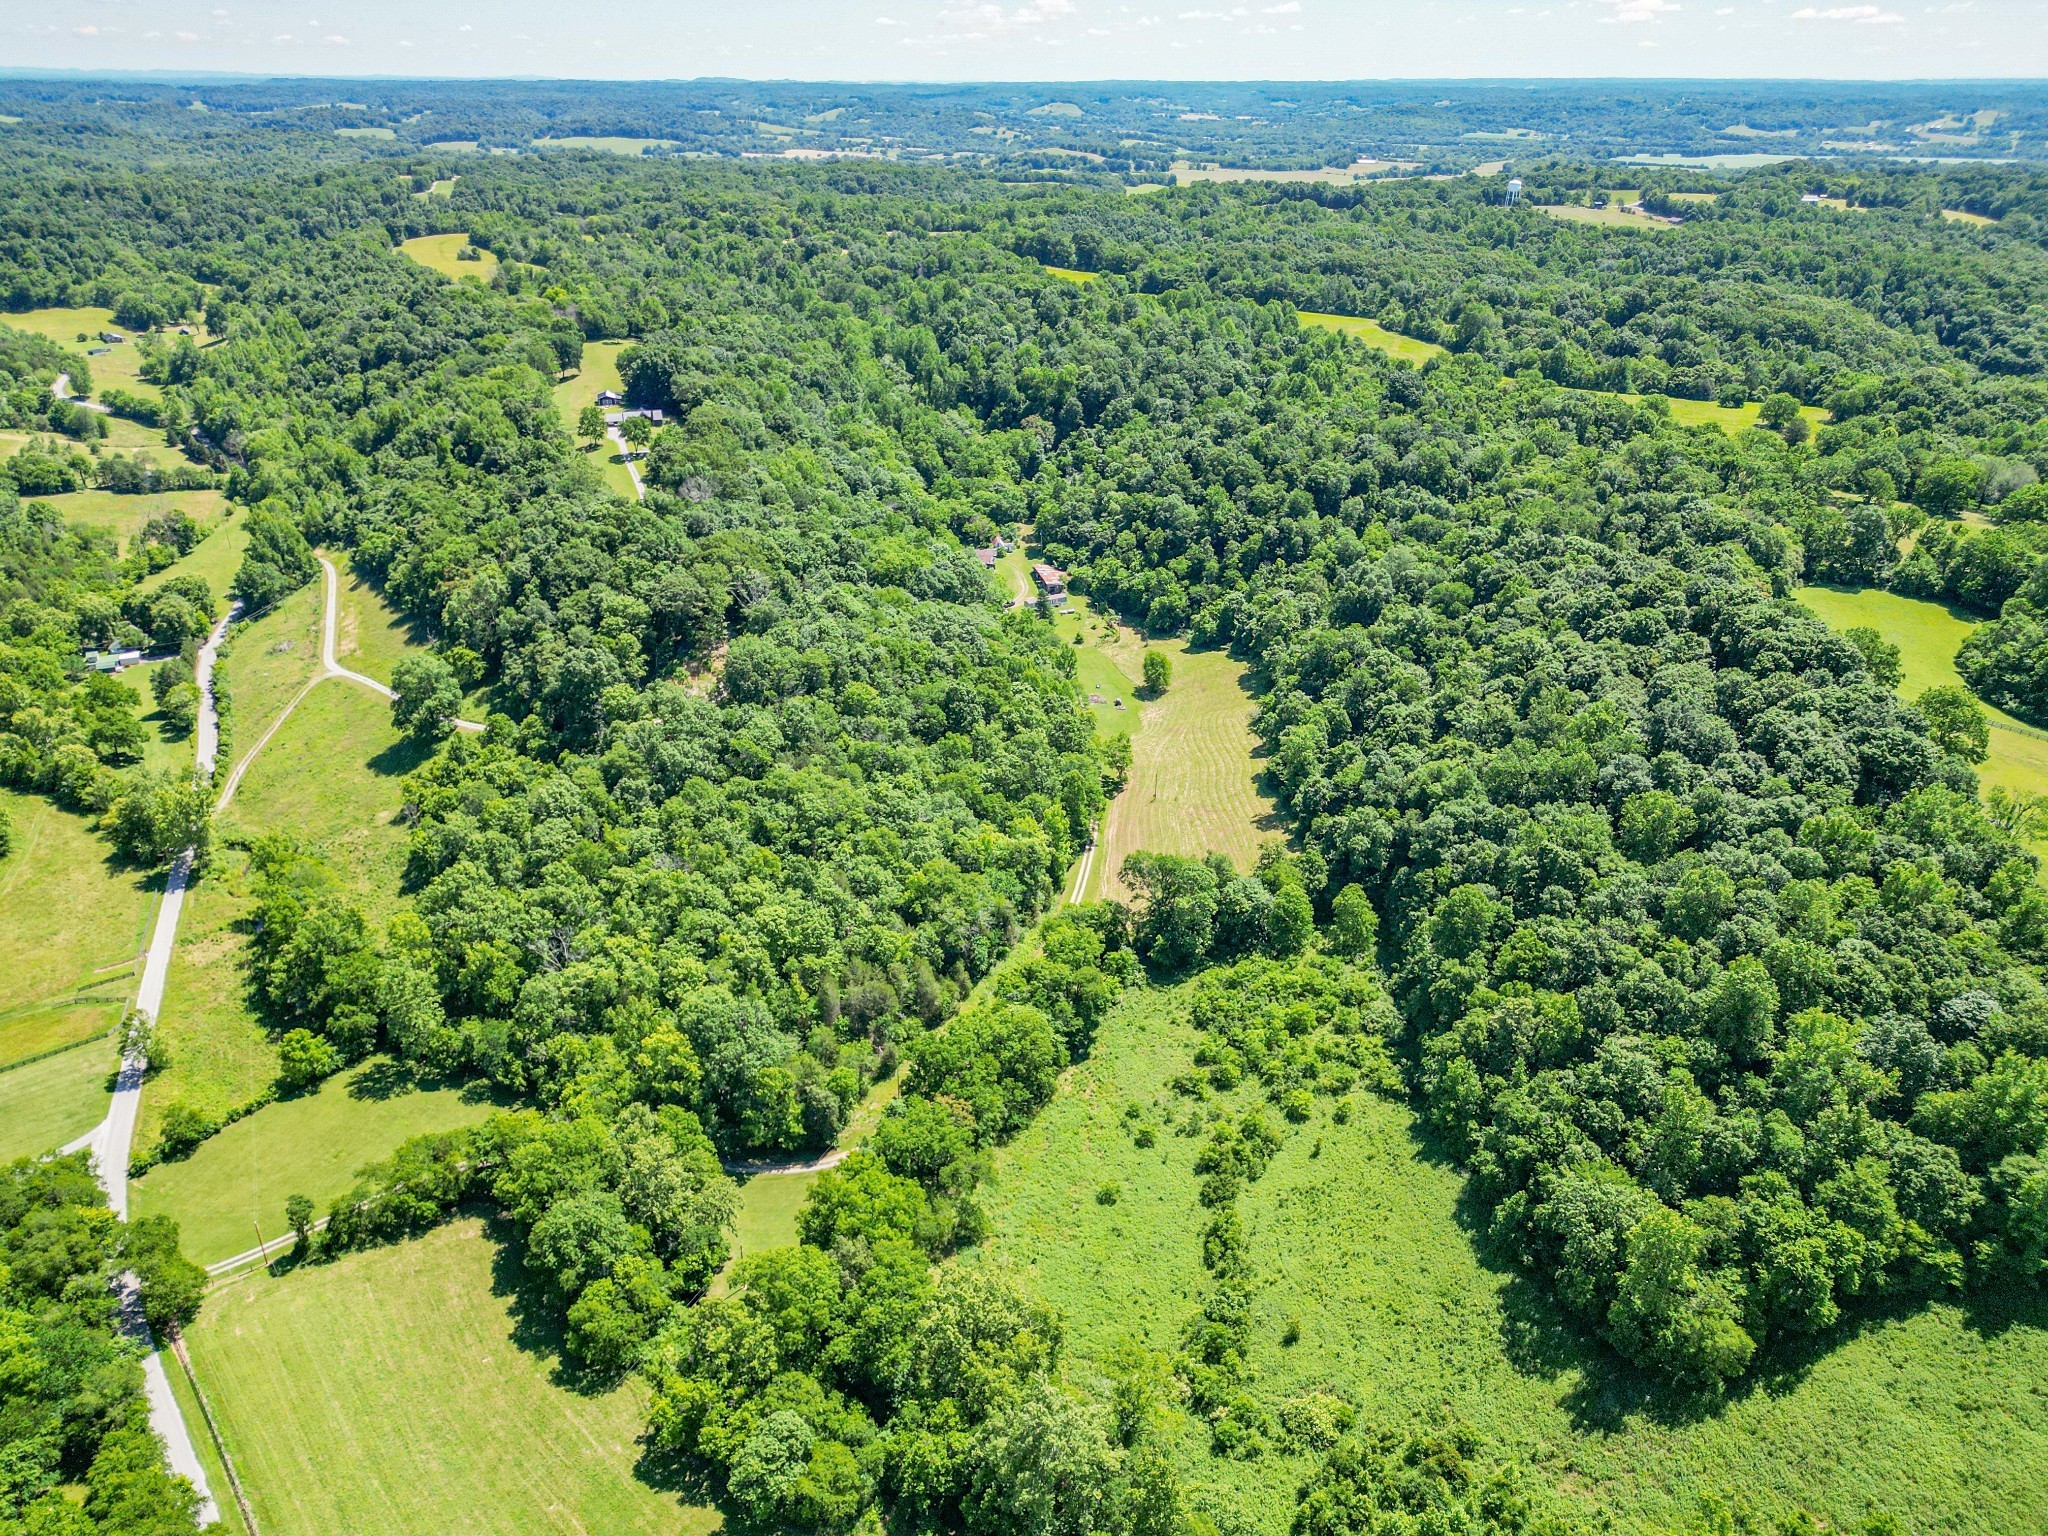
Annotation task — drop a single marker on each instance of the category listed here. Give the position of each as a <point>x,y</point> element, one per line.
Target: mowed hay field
<point>1928,636</point>
<point>1373,334</point>
<point>236,1183</point>
<point>1193,787</point>
<point>407,1389</point>
<point>438,253</point>
<point>73,921</point>
<point>369,634</point>
<point>1359,1233</point>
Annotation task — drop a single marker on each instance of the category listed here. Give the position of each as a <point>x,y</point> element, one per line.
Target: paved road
<point>112,1140</point>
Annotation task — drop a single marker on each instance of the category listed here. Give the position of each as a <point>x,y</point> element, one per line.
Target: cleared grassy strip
<point>1070,275</point>
<point>1373,334</point>
<point>1928,636</point>
<point>221,1055</point>
<point>1359,1232</point>
<point>1193,787</point>
<point>330,779</point>
<point>600,371</point>
<point>44,1104</point>
<point>438,253</point>
<point>37,1031</point>
<point>409,1389</point>
<point>231,1522</point>
<point>269,659</point>
<point>214,560</point>
<point>1610,217</point>
<point>72,918</point>
<point>238,1181</point>
<point>609,143</point>
<point>1959,216</point>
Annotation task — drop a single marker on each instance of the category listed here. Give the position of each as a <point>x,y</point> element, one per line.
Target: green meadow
<point>46,1103</point>
<point>1373,334</point>
<point>413,1388</point>
<point>438,253</point>
<point>235,1184</point>
<point>1360,1236</point>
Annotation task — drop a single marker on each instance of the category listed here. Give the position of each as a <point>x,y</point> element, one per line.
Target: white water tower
<point>1514,191</point>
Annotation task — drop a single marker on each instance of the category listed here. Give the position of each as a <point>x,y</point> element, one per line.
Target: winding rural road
<point>111,1140</point>
<point>60,388</point>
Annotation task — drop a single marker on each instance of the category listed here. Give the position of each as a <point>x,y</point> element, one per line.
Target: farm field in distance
<point>124,516</point>
<point>446,1388</point>
<point>1359,1233</point>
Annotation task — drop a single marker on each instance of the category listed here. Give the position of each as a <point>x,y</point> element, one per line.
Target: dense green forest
<point>1694,945</point>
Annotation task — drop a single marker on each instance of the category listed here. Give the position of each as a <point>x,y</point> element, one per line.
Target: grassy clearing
<point>1358,1232</point>
<point>231,1523</point>
<point>366,133</point>
<point>330,779</point>
<point>444,187</point>
<point>121,366</point>
<point>1107,660</point>
<point>72,920</point>
<point>270,658</point>
<point>438,253</point>
<point>36,1031</point>
<point>161,753</point>
<point>1373,334</point>
<point>1186,173</point>
<point>1730,418</point>
<point>1928,636</point>
<point>238,1181</point>
<point>124,516</point>
<point>410,1389</point>
<point>1070,275</point>
<point>369,634</point>
<point>610,144</point>
<point>1611,217</point>
<point>214,560</point>
<point>46,1103</point>
<point>221,1055</point>
<point>1193,786</point>
<point>600,371</point>
<point>1959,216</point>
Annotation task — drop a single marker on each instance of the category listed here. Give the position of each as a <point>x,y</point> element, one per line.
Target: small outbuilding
<point>610,397</point>
<point>112,338</point>
<point>1050,578</point>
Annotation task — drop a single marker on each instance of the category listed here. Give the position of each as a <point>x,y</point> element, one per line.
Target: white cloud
<point>186,37</point>
<point>1861,15</point>
<point>887,21</point>
<point>336,38</point>
<point>1633,12</point>
<point>86,29</point>
<point>1286,8</point>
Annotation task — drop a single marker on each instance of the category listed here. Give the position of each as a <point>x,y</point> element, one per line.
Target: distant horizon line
<point>195,76</point>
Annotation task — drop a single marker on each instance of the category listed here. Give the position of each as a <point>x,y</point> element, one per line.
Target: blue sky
<point>1039,39</point>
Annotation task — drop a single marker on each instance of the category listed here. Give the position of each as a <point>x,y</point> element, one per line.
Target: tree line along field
<point>1928,636</point>
<point>1364,1241</point>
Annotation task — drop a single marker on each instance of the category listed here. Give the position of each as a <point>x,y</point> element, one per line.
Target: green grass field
<point>366,133</point>
<point>444,187</point>
<point>1928,636</point>
<point>1933,1413</point>
<point>1373,334</point>
<point>72,924</point>
<point>409,1389</point>
<point>120,367</point>
<point>1070,275</point>
<point>221,1055</point>
<point>269,659</point>
<point>369,634</point>
<point>437,253</point>
<point>214,559</point>
<point>1609,217</point>
<point>600,371</point>
<point>231,1522</point>
<point>1959,216</point>
<point>124,516</point>
<point>330,778</point>
<point>312,1146</point>
<point>44,1104</point>
<point>160,752</point>
<point>1193,786</point>
<point>1107,661</point>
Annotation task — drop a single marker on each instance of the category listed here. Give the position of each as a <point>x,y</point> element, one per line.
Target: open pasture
<point>412,1388</point>
<point>46,1103</point>
<point>439,253</point>
<point>125,516</point>
<point>1373,334</point>
<point>236,1184</point>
